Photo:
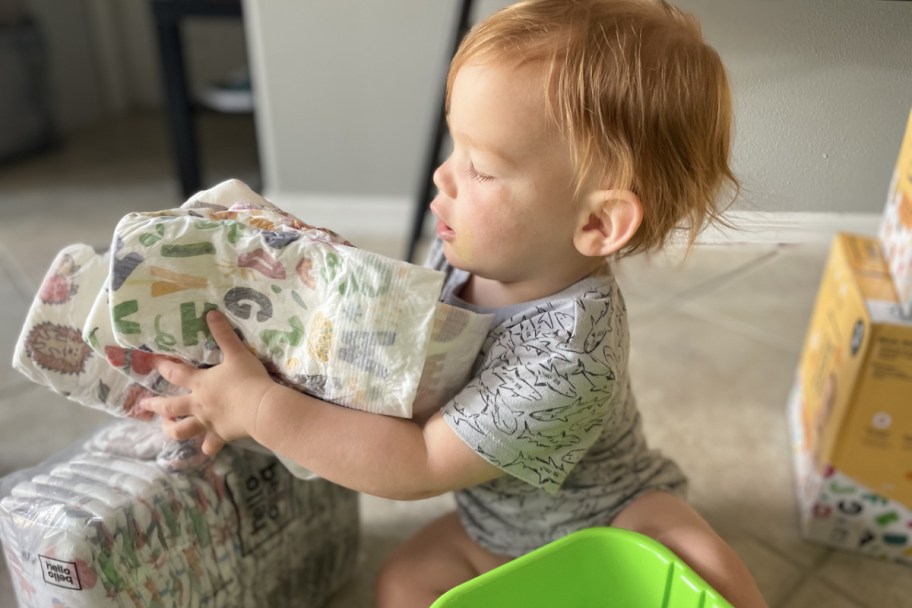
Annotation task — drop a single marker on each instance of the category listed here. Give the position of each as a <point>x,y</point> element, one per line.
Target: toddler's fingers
<point>223,333</point>
<point>183,428</point>
<point>212,444</point>
<point>168,407</point>
<point>174,372</point>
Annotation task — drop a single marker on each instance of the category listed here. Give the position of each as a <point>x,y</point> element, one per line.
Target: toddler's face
<point>506,208</point>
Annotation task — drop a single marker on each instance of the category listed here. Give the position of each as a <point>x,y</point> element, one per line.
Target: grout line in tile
<point>793,591</point>
<point>846,593</point>
<point>826,557</point>
<point>676,300</point>
<point>813,571</point>
<point>809,570</point>
<point>726,277</point>
<point>738,326</point>
<point>680,301</point>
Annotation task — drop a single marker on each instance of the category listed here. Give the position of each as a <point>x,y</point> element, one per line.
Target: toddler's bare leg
<point>437,558</point>
<point>671,521</point>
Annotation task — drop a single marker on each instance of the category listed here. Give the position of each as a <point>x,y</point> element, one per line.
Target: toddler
<point>583,130</point>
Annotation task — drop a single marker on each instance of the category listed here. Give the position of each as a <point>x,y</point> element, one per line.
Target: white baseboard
<point>789,227</point>
<point>391,217</point>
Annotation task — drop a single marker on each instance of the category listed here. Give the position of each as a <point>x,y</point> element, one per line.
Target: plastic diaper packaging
<point>101,525</point>
<point>340,323</point>
<point>50,349</point>
<point>343,324</point>
<point>346,325</point>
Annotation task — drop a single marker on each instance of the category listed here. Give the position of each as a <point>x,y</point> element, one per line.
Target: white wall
<point>346,90</point>
<point>822,92</point>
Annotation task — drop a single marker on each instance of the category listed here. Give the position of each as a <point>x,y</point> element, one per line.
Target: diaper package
<point>849,410</point>
<point>896,224</point>
<point>103,526</point>
<point>50,350</point>
<point>343,324</point>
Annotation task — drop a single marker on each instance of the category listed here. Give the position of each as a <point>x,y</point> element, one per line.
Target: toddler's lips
<point>444,232</point>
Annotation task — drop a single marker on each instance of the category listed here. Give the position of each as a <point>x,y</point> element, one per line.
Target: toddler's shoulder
<point>589,320</point>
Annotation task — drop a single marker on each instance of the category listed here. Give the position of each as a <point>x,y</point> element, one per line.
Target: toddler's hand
<point>223,400</point>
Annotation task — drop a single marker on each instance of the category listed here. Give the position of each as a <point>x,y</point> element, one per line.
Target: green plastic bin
<point>596,567</point>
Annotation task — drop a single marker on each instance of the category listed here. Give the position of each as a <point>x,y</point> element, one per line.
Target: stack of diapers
<point>50,350</point>
<point>340,323</point>
<point>104,526</point>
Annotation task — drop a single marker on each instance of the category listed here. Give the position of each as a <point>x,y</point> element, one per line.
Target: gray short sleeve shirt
<point>550,404</point>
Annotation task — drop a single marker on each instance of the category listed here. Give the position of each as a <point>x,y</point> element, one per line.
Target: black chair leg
<point>168,15</point>
<point>183,132</point>
<point>432,156</point>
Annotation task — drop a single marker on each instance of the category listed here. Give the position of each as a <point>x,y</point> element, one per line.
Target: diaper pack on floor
<point>849,409</point>
<point>104,525</point>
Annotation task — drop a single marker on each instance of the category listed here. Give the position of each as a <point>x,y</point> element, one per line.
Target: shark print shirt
<point>550,404</point>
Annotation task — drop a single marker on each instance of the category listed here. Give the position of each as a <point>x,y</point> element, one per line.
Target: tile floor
<point>715,344</point>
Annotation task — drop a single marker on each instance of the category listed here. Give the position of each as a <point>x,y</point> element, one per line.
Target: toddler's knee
<point>393,585</point>
<point>682,538</point>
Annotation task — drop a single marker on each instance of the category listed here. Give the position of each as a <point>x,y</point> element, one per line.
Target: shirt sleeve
<point>541,396</point>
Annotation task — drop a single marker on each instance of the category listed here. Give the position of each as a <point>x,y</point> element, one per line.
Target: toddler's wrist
<point>269,392</point>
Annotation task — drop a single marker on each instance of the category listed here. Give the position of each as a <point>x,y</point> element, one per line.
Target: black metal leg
<point>183,133</point>
<point>168,15</point>
<point>426,186</point>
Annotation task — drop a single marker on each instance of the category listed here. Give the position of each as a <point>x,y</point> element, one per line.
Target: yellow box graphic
<point>856,373</point>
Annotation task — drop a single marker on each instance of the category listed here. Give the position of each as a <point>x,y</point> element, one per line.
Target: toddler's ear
<point>608,221</point>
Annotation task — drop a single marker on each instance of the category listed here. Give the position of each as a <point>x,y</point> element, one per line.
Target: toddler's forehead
<point>503,108</point>
<point>520,84</point>
<point>534,72</point>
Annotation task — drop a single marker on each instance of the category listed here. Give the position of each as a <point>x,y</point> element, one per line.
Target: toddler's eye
<point>479,177</point>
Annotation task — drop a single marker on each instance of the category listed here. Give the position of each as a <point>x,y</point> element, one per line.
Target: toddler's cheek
<point>466,249</point>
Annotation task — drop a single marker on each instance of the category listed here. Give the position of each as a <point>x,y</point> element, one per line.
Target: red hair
<point>642,99</point>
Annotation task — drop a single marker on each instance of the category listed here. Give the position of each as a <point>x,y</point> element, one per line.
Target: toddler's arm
<point>380,455</point>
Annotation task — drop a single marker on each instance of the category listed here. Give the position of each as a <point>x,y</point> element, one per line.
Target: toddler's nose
<point>443,179</point>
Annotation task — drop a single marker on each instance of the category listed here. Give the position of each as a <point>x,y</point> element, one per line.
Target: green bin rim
<point>617,536</point>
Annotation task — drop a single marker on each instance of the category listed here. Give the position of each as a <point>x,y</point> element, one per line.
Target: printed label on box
<point>838,511</point>
<point>59,573</point>
<point>848,515</point>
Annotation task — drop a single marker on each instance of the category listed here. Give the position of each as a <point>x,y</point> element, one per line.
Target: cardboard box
<point>896,224</point>
<point>851,409</point>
